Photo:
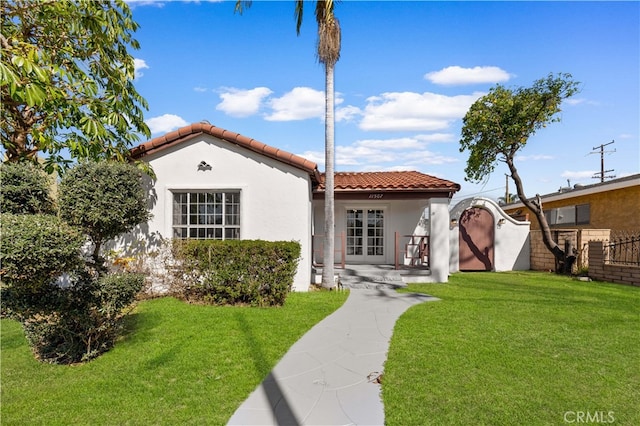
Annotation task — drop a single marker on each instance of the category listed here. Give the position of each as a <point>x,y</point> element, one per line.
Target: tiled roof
<point>188,132</point>
<point>401,181</point>
<point>388,181</point>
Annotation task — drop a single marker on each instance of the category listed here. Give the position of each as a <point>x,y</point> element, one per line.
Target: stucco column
<point>439,236</point>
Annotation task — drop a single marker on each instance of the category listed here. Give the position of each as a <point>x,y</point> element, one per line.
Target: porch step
<point>373,276</point>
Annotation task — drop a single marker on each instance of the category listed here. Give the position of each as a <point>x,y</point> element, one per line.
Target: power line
<point>602,172</point>
<point>476,193</point>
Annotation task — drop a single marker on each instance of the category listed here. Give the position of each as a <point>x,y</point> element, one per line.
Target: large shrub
<point>68,313</point>
<point>86,319</point>
<point>37,249</point>
<point>257,273</point>
<point>103,199</point>
<point>25,188</point>
<point>71,310</point>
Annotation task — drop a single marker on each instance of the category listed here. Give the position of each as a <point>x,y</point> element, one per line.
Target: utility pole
<point>507,198</point>
<point>601,175</point>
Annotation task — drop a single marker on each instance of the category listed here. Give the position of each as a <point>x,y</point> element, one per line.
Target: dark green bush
<point>247,272</point>
<point>70,309</point>
<point>25,188</point>
<point>86,319</point>
<point>104,200</point>
<point>37,249</point>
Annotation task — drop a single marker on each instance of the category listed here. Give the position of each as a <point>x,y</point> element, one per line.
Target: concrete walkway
<point>330,376</point>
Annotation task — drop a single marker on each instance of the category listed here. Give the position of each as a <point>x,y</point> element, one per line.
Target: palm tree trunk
<point>329,210</point>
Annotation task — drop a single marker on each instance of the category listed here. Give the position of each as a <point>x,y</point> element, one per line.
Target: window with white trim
<point>207,215</point>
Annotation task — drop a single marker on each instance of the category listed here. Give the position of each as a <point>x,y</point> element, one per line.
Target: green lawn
<point>513,349</point>
<point>179,364</point>
<point>498,349</point>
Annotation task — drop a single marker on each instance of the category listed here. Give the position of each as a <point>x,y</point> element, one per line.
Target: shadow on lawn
<point>280,407</point>
<point>138,327</point>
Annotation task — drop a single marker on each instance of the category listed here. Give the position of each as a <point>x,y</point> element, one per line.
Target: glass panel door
<point>355,228</point>
<point>365,234</point>
<point>375,232</point>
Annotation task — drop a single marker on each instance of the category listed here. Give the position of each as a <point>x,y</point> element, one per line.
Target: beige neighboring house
<point>613,205</point>
<point>213,183</point>
<point>581,214</point>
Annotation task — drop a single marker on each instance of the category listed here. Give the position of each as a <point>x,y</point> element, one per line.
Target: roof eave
<point>193,130</point>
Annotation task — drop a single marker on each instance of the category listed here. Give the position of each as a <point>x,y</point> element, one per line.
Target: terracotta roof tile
<point>188,132</point>
<point>388,181</point>
<point>401,181</point>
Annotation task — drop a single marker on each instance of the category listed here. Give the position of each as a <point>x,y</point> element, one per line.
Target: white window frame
<point>171,226</point>
<point>385,237</point>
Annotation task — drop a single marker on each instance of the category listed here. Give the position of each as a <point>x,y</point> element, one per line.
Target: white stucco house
<point>213,183</point>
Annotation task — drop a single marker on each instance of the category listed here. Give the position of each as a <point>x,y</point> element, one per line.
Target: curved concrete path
<point>329,376</point>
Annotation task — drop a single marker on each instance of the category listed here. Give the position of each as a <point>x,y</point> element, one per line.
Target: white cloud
<point>200,89</point>
<point>134,3</point>
<point>315,156</point>
<point>437,137</point>
<point>536,157</point>
<point>300,103</point>
<point>165,123</point>
<point>420,158</point>
<point>456,75</point>
<point>157,3</point>
<point>138,66</point>
<point>580,101</point>
<point>406,153</point>
<point>348,113</point>
<point>242,103</point>
<point>396,143</point>
<point>409,111</point>
<point>584,174</point>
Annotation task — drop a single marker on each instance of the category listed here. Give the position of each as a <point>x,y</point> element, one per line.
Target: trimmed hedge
<point>236,272</point>
<point>37,249</point>
<point>25,189</point>
<point>104,200</point>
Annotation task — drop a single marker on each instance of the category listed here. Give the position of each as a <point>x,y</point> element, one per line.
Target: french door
<point>365,235</point>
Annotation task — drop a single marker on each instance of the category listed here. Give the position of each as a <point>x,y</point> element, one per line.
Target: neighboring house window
<point>206,215</point>
<point>583,214</point>
<point>566,215</point>
<point>570,215</point>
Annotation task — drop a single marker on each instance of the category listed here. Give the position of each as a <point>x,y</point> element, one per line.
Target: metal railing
<point>624,251</point>
<point>317,249</point>
<point>416,252</point>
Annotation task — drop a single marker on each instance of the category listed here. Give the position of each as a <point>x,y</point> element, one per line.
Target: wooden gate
<point>476,240</point>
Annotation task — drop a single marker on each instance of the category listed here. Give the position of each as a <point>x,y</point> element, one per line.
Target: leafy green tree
<point>104,200</point>
<point>328,51</point>
<point>509,198</point>
<point>499,124</point>
<point>25,189</point>
<point>66,80</point>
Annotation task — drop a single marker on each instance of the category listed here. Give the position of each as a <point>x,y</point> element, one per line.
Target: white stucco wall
<point>439,222</point>
<point>406,217</point>
<point>403,216</point>
<point>275,198</point>
<point>511,247</point>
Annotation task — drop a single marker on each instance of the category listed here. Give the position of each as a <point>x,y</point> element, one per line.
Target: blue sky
<point>408,72</point>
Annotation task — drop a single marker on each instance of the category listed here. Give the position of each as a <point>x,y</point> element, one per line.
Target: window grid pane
<point>375,232</point>
<point>206,215</point>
